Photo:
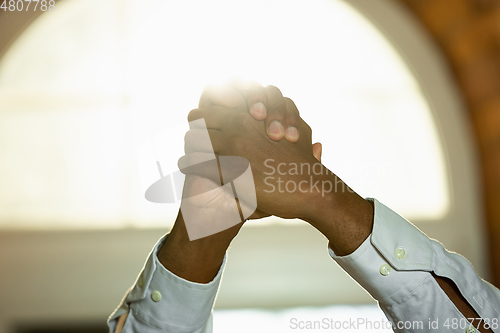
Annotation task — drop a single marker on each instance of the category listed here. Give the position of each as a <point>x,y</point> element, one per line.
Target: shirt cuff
<point>162,300</point>
<point>393,261</point>
<point>397,258</point>
<point>376,275</point>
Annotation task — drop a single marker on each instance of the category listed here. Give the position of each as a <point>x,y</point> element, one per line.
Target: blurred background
<point>403,94</point>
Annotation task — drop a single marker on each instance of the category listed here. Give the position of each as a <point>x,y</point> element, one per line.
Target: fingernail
<point>292,133</point>
<point>275,128</point>
<point>258,110</point>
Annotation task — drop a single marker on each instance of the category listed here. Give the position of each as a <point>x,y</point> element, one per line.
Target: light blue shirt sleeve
<point>160,301</point>
<point>394,265</point>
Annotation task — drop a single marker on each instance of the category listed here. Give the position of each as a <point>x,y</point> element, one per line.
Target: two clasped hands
<point>414,278</point>
<point>259,124</point>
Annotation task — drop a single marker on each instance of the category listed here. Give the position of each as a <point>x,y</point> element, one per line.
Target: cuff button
<point>400,253</point>
<point>156,296</point>
<point>385,269</point>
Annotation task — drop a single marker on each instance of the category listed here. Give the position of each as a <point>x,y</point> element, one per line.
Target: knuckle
<point>183,162</point>
<point>187,141</point>
<point>193,115</point>
<point>277,109</point>
<point>292,111</point>
<point>307,127</point>
<point>274,90</point>
<point>276,102</point>
<point>290,102</point>
<point>256,94</point>
<point>189,136</point>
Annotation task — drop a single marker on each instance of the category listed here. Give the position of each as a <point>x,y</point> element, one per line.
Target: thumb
<point>317,150</point>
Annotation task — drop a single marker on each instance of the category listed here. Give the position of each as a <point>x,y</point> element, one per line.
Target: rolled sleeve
<point>395,263</point>
<point>160,301</point>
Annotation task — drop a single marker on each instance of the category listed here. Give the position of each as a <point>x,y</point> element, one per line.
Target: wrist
<point>198,260</point>
<point>341,215</point>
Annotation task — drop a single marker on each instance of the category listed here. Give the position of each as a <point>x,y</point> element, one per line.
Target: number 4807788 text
<point>24,5</point>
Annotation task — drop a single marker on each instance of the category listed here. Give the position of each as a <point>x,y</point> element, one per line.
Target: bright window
<point>87,84</point>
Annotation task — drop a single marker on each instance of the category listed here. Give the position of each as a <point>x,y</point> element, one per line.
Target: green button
<point>385,270</point>
<point>400,253</point>
<point>156,296</point>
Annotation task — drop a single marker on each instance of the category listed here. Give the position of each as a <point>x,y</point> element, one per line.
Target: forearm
<point>198,260</point>
<point>348,208</point>
<point>189,272</point>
